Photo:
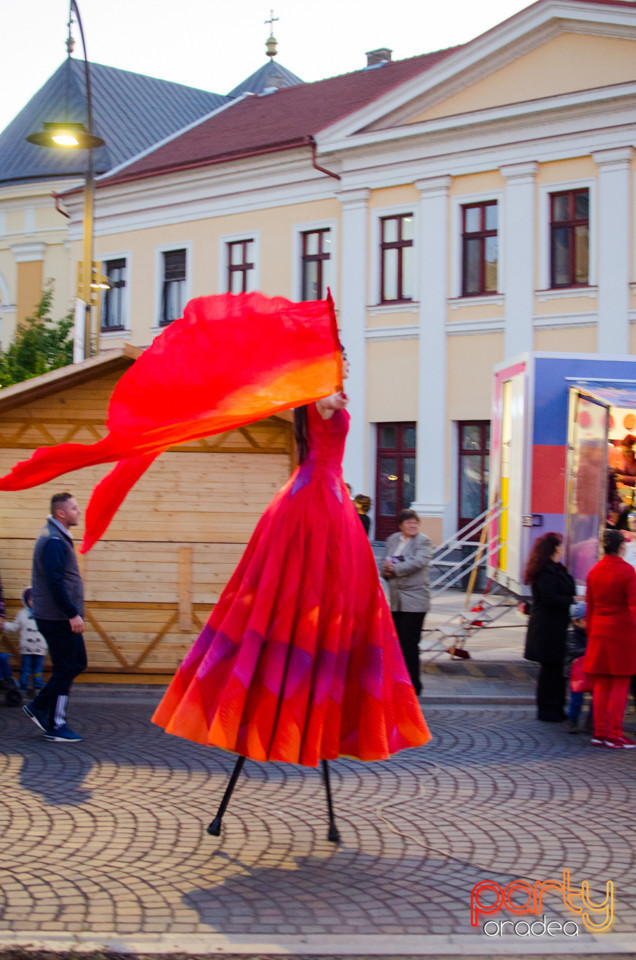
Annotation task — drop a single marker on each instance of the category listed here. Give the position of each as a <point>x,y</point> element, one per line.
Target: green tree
<point>41,344</point>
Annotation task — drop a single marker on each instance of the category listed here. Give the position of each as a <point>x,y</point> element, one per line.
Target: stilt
<point>332,833</point>
<point>215,827</point>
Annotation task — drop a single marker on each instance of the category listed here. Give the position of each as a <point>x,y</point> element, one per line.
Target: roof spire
<point>270,47</point>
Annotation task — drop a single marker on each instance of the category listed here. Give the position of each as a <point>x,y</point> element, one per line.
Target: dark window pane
<point>113,315</point>
<point>471,486</point>
<point>174,265</point>
<point>409,438</point>
<point>388,486</point>
<point>408,481</point>
<point>487,438</point>
<point>561,257</point>
<point>311,290</point>
<point>472,266</point>
<point>388,438</point>
<point>582,205</point>
<point>471,437</point>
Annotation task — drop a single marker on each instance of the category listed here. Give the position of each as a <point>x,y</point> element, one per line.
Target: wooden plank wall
<point>153,578</point>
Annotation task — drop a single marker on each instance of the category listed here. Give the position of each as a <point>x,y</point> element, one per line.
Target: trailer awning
<point>617,393</point>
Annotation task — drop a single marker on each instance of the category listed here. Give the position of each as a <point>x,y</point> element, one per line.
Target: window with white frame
<point>173,285</point>
<point>240,266</point>
<point>396,258</point>
<point>114,300</point>
<point>480,248</point>
<point>570,238</point>
<point>561,256</point>
<point>315,257</point>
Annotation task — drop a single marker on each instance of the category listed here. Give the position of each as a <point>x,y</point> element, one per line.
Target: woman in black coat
<point>553,592</point>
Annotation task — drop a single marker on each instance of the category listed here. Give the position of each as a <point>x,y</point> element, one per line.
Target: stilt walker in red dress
<point>299,661</point>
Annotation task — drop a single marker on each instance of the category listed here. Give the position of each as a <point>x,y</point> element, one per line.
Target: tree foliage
<point>41,344</point>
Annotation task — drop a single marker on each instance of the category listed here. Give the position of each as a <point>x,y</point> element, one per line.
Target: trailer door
<point>586,508</point>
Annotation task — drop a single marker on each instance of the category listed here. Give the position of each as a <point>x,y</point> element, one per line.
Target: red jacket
<point>611,618</point>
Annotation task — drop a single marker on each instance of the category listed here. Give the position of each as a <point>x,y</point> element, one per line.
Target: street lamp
<point>75,136</point>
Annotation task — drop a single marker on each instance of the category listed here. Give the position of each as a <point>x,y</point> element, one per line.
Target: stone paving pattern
<point>108,835</point>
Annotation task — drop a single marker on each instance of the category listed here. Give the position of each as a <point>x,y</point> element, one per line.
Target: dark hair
<point>363,502</point>
<point>58,499</point>
<point>612,541</point>
<point>540,554</point>
<point>301,433</point>
<point>406,515</point>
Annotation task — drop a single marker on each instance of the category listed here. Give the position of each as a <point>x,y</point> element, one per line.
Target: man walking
<point>58,607</point>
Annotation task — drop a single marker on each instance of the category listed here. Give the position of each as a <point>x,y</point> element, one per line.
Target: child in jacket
<point>32,644</point>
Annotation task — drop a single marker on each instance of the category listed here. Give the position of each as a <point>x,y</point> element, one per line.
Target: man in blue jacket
<point>58,607</point>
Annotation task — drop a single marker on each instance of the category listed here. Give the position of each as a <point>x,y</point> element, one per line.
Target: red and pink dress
<point>299,660</point>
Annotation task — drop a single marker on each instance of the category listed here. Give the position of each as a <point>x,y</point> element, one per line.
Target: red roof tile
<point>277,121</point>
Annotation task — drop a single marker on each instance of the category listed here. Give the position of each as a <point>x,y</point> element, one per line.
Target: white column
<point>432,269</point>
<point>352,316</point>
<point>519,238</point>
<point>613,212</point>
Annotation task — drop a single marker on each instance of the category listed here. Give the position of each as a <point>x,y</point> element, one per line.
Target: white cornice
<point>410,332</point>
<point>28,252</point>
<point>202,193</point>
<point>456,328</point>
<point>524,111</point>
<point>560,321</point>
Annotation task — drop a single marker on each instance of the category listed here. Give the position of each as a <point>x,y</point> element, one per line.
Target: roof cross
<point>272,20</point>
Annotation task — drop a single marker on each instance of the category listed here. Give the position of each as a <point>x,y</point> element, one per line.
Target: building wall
<point>34,248</point>
<point>518,117</point>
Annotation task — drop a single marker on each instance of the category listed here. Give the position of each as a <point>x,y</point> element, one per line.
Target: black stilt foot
<point>215,827</point>
<point>332,834</point>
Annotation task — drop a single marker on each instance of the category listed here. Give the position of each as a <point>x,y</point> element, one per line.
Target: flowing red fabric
<point>230,360</point>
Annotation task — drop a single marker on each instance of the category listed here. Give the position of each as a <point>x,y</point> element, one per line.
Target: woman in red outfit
<point>299,661</point>
<point>611,648</point>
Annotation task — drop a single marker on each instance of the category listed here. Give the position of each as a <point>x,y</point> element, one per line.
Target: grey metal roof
<point>271,74</point>
<point>130,112</point>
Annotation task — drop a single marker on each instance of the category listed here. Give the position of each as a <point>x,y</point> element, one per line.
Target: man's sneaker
<point>62,734</point>
<point>620,743</point>
<point>598,741</point>
<point>39,717</point>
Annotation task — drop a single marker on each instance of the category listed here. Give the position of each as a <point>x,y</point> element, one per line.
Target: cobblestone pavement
<point>104,841</point>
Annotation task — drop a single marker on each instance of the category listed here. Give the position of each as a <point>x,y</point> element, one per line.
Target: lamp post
<point>75,136</point>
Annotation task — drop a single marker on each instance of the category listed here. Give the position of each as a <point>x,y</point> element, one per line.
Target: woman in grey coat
<point>405,568</point>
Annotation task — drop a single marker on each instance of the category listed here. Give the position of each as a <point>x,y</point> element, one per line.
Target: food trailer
<point>557,422</point>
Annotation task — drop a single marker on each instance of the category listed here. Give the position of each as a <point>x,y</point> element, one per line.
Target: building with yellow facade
<point>463,206</point>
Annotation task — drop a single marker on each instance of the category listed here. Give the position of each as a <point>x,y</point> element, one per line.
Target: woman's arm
<point>417,560</point>
<point>328,405</point>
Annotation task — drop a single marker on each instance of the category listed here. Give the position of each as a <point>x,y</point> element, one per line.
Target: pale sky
<point>215,44</point>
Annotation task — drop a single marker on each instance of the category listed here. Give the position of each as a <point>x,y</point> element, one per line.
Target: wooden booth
<point>161,565</point>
